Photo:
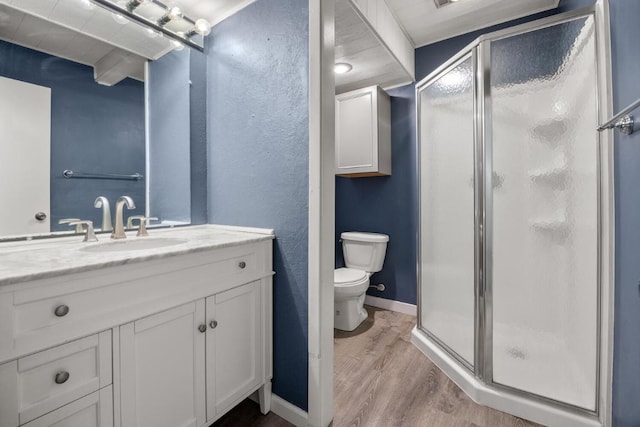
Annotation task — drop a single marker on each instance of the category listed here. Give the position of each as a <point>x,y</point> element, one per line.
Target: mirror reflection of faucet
<point>89,234</point>
<point>82,227</point>
<point>118,230</point>
<point>144,221</point>
<point>72,221</point>
<point>103,202</point>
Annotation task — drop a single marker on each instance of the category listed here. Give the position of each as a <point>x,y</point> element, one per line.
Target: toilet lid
<point>348,275</point>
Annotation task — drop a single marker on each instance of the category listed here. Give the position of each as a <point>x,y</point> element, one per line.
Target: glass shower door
<point>543,275</point>
<point>446,132</point>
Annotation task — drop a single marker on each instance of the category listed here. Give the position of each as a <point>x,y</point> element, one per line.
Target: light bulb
<point>177,45</point>
<point>174,13</point>
<point>342,67</point>
<point>203,27</point>
<point>171,14</point>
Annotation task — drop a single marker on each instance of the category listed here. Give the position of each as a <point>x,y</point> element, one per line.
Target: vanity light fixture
<point>134,4</point>
<point>172,23</point>
<point>342,67</point>
<point>173,13</point>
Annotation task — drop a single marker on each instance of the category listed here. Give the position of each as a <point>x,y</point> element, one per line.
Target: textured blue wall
<point>625,38</point>
<point>198,128</point>
<point>94,128</point>
<point>169,108</point>
<point>258,149</point>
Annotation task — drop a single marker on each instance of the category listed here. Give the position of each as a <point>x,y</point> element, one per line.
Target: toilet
<point>363,255</point>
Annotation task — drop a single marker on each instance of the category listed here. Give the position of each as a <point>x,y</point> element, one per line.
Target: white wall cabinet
<point>363,133</point>
<point>174,342</point>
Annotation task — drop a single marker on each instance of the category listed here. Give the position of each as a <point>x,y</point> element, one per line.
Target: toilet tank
<point>364,251</point>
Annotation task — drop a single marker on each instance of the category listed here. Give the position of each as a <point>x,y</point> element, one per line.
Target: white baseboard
<point>289,412</point>
<point>387,304</point>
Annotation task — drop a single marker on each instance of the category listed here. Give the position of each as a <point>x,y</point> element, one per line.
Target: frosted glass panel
<point>447,215</point>
<point>545,212</point>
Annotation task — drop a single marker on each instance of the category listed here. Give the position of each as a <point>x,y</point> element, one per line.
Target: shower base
<point>498,398</point>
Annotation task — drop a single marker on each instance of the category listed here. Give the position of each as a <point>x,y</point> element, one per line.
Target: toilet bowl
<point>363,255</point>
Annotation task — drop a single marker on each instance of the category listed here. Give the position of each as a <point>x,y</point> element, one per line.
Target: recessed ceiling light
<point>342,67</point>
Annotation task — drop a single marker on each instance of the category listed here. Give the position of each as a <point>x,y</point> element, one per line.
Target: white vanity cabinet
<point>162,368</point>
<point>235,344</point>
<point>363,133</point>
<point>210,352</point>
<point>174,340</point>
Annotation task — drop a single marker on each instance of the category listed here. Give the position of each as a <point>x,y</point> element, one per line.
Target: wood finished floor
<point>382,380</point>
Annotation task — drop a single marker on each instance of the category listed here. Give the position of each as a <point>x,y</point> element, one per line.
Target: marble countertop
<point>38,259</point>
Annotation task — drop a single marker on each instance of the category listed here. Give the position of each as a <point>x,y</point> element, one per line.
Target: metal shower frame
<point>480,52</point>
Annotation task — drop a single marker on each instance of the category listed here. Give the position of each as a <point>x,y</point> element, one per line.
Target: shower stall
<point>515,219</point>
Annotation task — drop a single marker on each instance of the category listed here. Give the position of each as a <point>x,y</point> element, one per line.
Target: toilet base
<point>349,313</point>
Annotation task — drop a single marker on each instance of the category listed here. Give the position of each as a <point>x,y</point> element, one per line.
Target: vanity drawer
<point>94,410</point>
<point>46,312</point>
<point>50,379</point>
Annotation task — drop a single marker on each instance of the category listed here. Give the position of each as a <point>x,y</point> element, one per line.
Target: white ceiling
<point>87,34</point>
<point>424,23</point>
<point>356,44</point>
<point>83,32</point>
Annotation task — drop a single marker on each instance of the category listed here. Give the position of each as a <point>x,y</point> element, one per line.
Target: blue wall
<point>94,128</point>
<point>198,129</point>
<point>625,39</point>
<point>258,149</point>
<point>169,108</point>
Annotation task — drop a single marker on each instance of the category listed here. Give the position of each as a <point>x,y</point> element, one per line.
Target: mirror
<point>82,105</point>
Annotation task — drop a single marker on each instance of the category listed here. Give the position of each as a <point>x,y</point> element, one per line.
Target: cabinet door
<point>234,346</point>
<point>162,369</point>
<point>357,132</point>
<point>94,410</point>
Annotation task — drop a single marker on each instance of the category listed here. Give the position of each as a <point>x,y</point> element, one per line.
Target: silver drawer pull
<point>61,310</point>
<point>213,324</point>
<point>242,264</point>
<point>202,328</point>
<point>62,377</point>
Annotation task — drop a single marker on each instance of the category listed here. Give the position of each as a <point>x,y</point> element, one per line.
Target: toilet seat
<point>343,277</point>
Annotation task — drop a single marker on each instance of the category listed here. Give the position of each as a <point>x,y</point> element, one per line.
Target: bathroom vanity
<point>169,330</point>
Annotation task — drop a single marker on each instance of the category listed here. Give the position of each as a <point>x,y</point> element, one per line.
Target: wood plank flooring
<point>382,380</point>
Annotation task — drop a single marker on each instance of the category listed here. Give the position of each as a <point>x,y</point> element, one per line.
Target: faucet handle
<point>72,221</point>
<point>142,229</point>
<point>90,235</point>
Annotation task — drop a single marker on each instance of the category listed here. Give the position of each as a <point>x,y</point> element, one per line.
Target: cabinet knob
<point>202,328</point>
<point>41,216</point>
<point>61,310</point>
<point>213,324</point>
<point>62,377</point>
<point>242,264</point>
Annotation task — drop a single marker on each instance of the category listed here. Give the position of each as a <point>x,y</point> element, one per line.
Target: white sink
<point>133,244</point>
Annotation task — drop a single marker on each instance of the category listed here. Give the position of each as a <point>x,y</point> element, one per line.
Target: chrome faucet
<point>103,202</point>
<point>118,230</point>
